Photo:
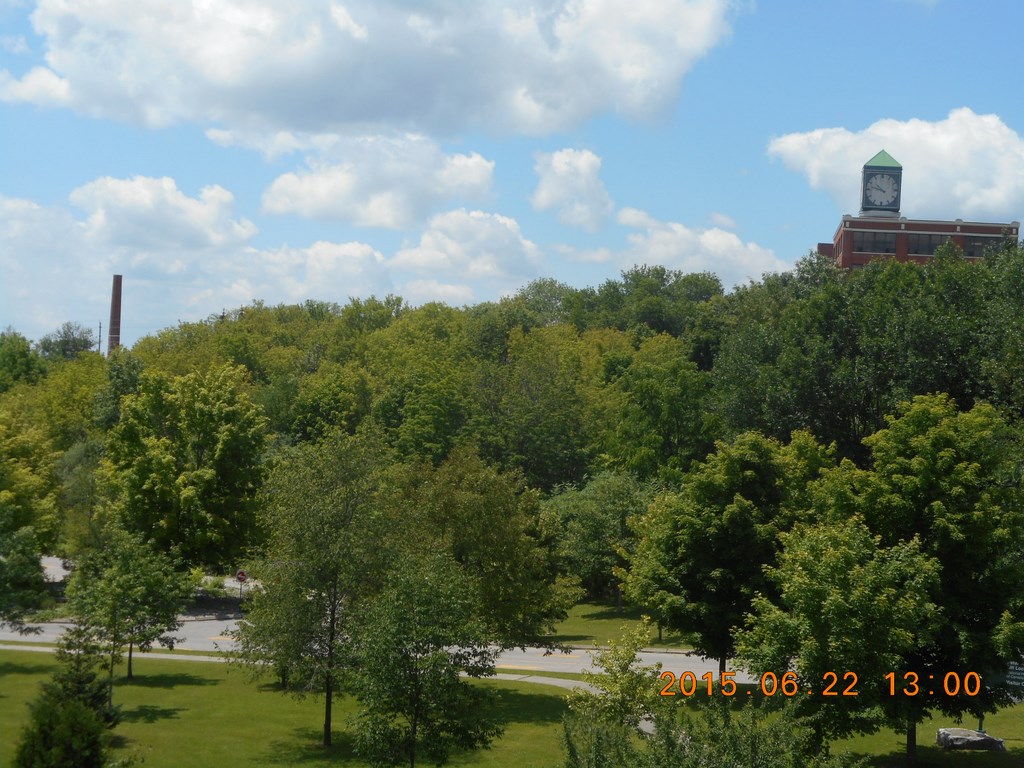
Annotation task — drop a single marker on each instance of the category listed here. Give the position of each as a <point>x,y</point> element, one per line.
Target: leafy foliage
<point>413,642</point>
<point>128,595</point>
<point>627,724</point>
<point>489,409</point>
<point>73,710</point>
<point>915,566</point>
<point>22,586</point>
<point>952,479</point>
<point>60,734</point>
<point>592,527</point>
<point>322,556</point>
<point>845,603</point>
<point>18,361</point>
<point>67,342</point>
<point>490,522</point>
<point>184,462</point>
<point>701,554</point>
<point>661,424</point>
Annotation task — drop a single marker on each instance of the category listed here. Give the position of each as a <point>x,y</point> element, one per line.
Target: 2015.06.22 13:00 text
<point>770,684</point>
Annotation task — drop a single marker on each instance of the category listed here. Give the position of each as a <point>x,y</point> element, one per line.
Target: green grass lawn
<point>210,716</point>
<point>600,622</point>
<point>888,749</point>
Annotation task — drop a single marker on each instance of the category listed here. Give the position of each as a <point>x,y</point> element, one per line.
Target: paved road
<point>212,635</point>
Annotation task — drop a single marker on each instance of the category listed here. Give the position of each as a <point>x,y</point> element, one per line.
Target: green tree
<point>64,402</point>
<point>701,554</point>
<point>79,675</point>
<point>546,301</point>
<point>335,397</point>
<point>593,530</point>
<point>83,498</point>
<point>22,585</point>
<point>124,372</point>
<point>1003,366</point>
<point>417,368</point>
<point>661,423</point>
<point>604,720</point>
<point>322,557</point>
<point>846,606</point>
<point>128,595</point>
<point>68,718</point>
<point>415,640</point>
<point>952,479</point>
<point>648,298</point>
<point>540,412</point>
<point>38,424</point>
<point>184,461</point>
<point>624,723</point>
<point>915,569</point>
<point>28,484</point>
<point>834,353</point>
<point>18,361</point>
<point>60,734</point>
<point>67,342</point>
<point>491,524</point>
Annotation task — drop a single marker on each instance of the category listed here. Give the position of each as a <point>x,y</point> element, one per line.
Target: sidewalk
<point>557,682</point>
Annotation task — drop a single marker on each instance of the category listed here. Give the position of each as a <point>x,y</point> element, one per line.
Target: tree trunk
<point>332,615</point>
<point>912,743</point>
<point>725,702</point>
<point>659,631</point>
<point>110,687</point>
<point>618,599</point>
<point>327,710</point>
<point>130,644</point>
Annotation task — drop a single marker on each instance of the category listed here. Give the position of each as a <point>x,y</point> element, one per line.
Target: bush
<point>61,734</point>
<point>80,676</point>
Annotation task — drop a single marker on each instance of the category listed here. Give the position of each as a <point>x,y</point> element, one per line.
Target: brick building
<point>880,232</point>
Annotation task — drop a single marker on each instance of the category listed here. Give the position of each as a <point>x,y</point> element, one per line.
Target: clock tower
<point>881,185</point>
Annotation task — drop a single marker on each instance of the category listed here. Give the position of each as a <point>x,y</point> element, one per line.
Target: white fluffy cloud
<point>150,215</point>
<point>422,291</point>
<point>35,247</point>
<point>530,66</point>
<point>324,270</point>
<point>392,183</point>
<point>37,86</point>
<point>569,182</point>
<point>472,247</point>
<point>966,166</point>
<point>174,251</point>
<point>192,253</point>
<point>677,246</point>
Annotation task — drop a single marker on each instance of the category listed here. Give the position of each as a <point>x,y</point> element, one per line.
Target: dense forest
<point>654,439</point>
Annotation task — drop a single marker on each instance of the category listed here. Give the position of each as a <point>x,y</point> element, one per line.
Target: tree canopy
<point>184,460</point>
<point>705,449</point>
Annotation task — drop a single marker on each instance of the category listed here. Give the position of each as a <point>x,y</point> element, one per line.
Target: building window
<point>874,242</point>
<point>976,245</point>
<point>924,245</point>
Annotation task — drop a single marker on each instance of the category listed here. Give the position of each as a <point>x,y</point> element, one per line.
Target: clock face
<point>881,189</point>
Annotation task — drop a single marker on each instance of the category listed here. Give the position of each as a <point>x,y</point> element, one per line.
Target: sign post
<point>241,578</point>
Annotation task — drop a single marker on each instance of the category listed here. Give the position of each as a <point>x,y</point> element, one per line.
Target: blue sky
<point>216,152</point>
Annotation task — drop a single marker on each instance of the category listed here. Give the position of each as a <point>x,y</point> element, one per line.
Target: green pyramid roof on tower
<point>883,160</point>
